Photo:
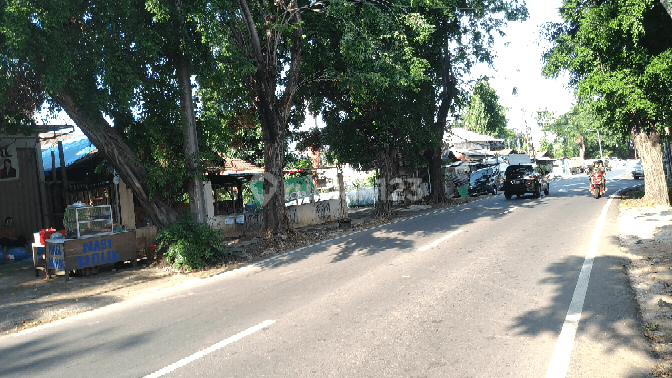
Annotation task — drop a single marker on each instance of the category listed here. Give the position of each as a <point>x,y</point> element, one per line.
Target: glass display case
<point>81,220</point>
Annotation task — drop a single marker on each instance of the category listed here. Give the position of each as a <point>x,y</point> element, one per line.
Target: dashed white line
<point>510,210</point>
<point>210,349</point>
<point>439,241</point>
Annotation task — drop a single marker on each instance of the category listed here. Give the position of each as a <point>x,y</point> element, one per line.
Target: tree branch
<point>252,32</point>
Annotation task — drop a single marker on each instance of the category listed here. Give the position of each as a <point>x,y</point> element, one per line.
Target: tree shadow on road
<point>609,304</point>
<point>42,355</point>
<point>345,247</point>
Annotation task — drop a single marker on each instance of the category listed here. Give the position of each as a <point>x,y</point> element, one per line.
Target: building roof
<point>76,147</point>
<point>543,155</point>
<point>238,166</point>
<point>461,135</point>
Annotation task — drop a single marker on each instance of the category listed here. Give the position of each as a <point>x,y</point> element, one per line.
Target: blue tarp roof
<point>74,149</point>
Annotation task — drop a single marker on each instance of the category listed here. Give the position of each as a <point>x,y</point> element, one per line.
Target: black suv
<point>521,179</point>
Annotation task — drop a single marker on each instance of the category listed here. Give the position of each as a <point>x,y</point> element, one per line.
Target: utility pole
<point>599,142</point>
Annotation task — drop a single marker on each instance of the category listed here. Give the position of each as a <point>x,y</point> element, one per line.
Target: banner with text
<point>295,188</point>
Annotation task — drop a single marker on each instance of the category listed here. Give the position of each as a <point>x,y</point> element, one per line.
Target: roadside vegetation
<point>189,245</point>
<point>636,197</point>
<point>618,55</point>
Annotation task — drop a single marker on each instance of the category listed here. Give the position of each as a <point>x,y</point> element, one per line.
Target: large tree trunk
<point>647,143</point>
<point>582,146</point>
<point>273,112</point>
<point>386,174</point>
<point>117,152</point>
<point>275,213</point>
<point>191,152</point>
<point>437,191</point>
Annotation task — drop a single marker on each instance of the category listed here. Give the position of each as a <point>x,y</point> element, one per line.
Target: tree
<point>463,35</point>
<point>259,45</point>
<point>20,98</point>
<point>365,78</point>
<point>358,63</point>
<point>181,37</point>
<point>619,57</point>
<point>101,62</point>
<point>574,133</point>
<point>484,114</point>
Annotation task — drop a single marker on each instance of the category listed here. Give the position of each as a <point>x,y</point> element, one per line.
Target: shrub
<point>190,244</point>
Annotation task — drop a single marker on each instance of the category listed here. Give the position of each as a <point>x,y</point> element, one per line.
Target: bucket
<point>463,190</point>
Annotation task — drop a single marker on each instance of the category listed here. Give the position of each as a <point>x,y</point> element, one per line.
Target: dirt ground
<point>27,301</point>
<point>646,238</point>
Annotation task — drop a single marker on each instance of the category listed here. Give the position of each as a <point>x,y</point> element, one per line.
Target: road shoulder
<point>646,238</point>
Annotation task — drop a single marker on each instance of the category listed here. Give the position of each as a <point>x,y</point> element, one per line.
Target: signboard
<point>8,161</point>
<point>295,189</point>
<point>55,256</point>
<point>71,254</point>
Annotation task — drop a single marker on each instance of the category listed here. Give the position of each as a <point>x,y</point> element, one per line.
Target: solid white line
<point>210,349</point>
<point>563,349</point>
<point>437,242</point>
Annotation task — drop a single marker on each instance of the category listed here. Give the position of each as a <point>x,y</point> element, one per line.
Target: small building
<point>21,194</point>
<point>460,139</point>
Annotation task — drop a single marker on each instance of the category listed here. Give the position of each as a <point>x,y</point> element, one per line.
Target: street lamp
<point>599,142</point>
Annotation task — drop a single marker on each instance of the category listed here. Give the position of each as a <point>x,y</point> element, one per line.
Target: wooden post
<point>64,177</point>
<point>239,197</point>
<point>53,204</point>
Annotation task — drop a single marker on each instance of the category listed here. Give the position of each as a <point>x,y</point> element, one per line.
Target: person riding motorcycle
<point>598,167</point>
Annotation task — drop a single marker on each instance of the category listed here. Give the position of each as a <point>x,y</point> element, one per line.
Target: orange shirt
<point>9,232</point>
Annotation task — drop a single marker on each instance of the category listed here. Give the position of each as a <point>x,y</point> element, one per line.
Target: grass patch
<point>636,197</point>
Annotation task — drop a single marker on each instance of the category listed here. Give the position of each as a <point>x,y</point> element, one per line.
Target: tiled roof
<point>239,166</point>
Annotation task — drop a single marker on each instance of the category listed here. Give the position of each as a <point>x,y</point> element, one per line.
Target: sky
<point>518,64</point>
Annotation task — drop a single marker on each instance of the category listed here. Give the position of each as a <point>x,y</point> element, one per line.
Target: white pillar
<point>126,207</point>
<point>208,199</point>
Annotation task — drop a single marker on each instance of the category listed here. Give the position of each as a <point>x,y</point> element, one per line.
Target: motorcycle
<point>597,184</point>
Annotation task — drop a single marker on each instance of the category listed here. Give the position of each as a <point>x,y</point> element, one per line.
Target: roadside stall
<point>90,241</point>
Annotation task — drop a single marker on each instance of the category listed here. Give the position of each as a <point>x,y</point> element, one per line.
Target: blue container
<point>19,253</point>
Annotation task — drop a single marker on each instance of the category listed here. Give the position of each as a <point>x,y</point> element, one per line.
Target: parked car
<point>637,171</point>
<point>522,179</point>
<point>483,181</point>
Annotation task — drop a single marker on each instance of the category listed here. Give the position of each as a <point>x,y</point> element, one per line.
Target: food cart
<point>91,241</point>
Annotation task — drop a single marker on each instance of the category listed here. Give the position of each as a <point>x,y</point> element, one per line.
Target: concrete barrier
<point>314,213</point>
<point>250,223</point>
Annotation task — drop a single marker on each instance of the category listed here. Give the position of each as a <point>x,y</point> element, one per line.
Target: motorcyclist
<point>598,167</point>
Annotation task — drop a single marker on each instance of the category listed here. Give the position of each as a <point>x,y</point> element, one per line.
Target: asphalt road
<point>494,288</point>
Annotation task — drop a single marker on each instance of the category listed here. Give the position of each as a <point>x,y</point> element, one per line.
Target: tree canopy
<point>387,76</point>
<point>619,57</point>
<point>576,129</point>
<point>115,68</point>
<point>483,113</point>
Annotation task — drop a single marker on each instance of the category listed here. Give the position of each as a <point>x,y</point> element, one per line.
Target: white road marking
<point>439,241</point>
<point>510,210</point>
<point>563,349</point>
<point>210,349</point>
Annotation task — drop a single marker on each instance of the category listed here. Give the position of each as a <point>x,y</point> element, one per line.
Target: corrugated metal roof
<point>458,134</point>
<point>75,148</point>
